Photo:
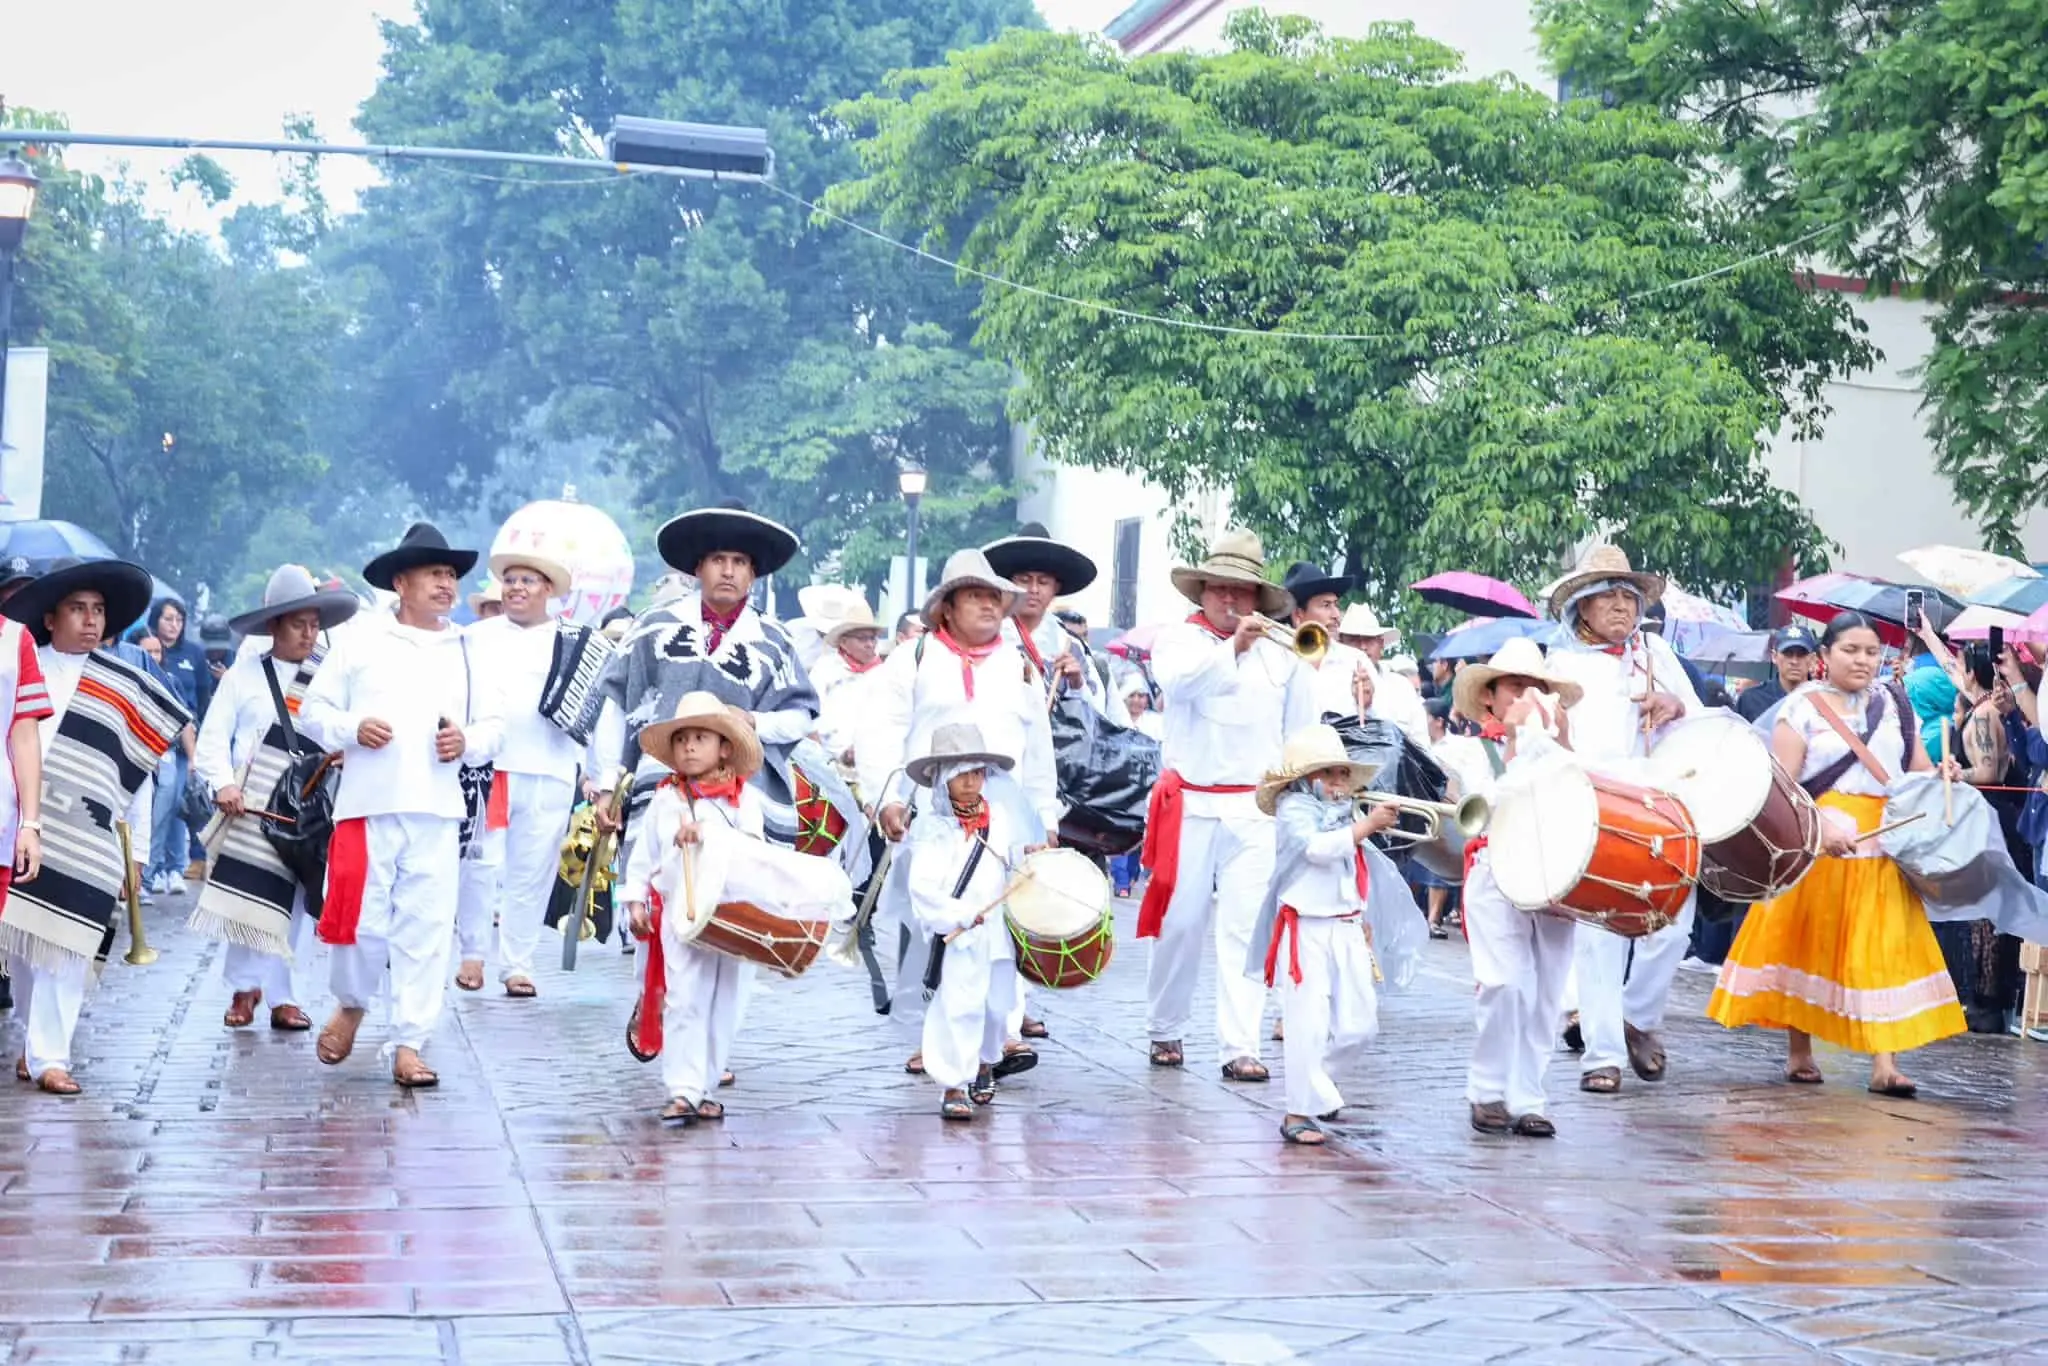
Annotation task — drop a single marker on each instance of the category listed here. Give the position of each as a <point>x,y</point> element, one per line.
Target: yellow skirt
<point>1847,956</point>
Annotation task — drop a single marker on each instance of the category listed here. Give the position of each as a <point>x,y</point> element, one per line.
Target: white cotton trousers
<point>967,1022</point>
<point>1331,1013</point>
<point>47,1001</point>
<point>1625,980</point>
<point>407,923</point>
<point>1226,863</point>
<point>510,875</point>
<point>700,1016</point>
<point>276,976</point>
<point>1520,960</point>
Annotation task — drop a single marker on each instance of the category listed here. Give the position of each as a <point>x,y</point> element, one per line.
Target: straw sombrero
<point>701,710</point>
<point>968,569</point>
<point>554,571</point>
<point>1237,557</point>
<point>1360,620</point>
<point>1603,562</point>
<point>858,617</point>
<point>1310,750</point>
<point>956,742</point>
<point>1519,658</point>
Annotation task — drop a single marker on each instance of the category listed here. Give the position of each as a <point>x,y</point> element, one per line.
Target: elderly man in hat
<point>1633,685</point>
<point>850,649</point>
<point>1232,694</point>
<point>1044,569</point>
<point>509,871</point>
<point>960,671</point>
<point>252,902</point>
<point>103,725</point>
<point>408,706</point>
<point>1393,697</point>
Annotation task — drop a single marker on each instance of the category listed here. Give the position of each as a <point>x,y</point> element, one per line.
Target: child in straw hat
<point>1314,939</point>
<point>712,751</point>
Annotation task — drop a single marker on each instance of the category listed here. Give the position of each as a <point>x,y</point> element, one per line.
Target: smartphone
<point>1916,600</point>
<point>1997,644</point>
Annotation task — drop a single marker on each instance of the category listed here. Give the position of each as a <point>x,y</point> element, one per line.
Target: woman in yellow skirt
<point>1847,955</point>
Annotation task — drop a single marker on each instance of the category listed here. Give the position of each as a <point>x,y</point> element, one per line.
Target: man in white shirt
<point>1044,569</point>
<point>1633,686</point>
<point>1394,697</point>
<point>406,705</point>
<point>1232,695</point>
<point>237,905</point>
<point>509,871</point>
<point>850,650</point>
<point>1343,681</point>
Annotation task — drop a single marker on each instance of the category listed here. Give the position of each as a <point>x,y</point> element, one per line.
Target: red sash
<point>1161,853</point>
<point>348,873</point>
<point>653,987</point>
<point>1289,928</point>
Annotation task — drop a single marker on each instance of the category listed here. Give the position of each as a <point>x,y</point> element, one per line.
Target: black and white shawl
<point>119,723</point>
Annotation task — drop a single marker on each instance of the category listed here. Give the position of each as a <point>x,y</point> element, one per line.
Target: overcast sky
<point>233,69</point>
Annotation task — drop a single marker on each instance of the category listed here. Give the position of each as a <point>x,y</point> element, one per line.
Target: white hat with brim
<point>1360,620</point>
<point>1519,658</point>
<point>956,742</point>
<point>1236,558</point>
<point>859,617</point>
<point>556,573</point>
<point>968,569</point>
<point>492,591</point>
<point>292,588</point>
<point>1312,749</point>
<point>1602,562</point>
<point>703,711</point>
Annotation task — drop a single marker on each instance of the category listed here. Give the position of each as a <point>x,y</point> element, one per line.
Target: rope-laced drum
<point>1760,829</point>
<point>1058,910</point>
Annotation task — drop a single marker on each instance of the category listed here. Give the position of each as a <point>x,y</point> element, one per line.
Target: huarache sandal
<point>412,1074</point>
<point>1534,1126</point>
<point>916,1065</point>
<point>955,1106</point>
<point>58,1082</point>
<point>1806,1074</point>
<point>521,988</point>
<point>1645,1053</point>
<point>1166,1053</point>
<point>1898,1088</point>
<point>710,1109</point>
<point>1034,1029</point>
<point>241,1011</point>
<point>1016,1058</point>
<point>1574,1037</point>
<point>1439,932</point>
<point>289,1019</point>
<point>1245,1069</point>
<point>1601,1081</point>
<point>727,1079</point>
<point>338,1038</point>
<point>983,1092</point>
<point>678,1114</point>
<point>1279,1031</point>
<point>470,976</point>
<point>1303,1131</point>
<point>1491,1117</point>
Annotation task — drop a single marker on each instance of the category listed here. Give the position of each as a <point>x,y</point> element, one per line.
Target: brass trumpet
<point>1447,827</point>
<point>1309,641</point>
<point>139,954</point>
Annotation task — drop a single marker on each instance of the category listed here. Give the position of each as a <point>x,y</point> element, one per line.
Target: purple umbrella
<point>1464,591</point>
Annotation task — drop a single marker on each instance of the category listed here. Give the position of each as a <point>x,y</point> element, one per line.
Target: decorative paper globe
<point>582,539</point>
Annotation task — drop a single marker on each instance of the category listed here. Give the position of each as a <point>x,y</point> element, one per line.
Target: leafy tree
<point>1517,374</point>
<point>712,339</point>
<point>1911,137</point>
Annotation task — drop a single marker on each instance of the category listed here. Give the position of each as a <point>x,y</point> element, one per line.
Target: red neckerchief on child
<point>970,655</point>
<point>1197,619</point>
<point>974,822</point>
<point>1492,729</point>
<point>725,789</point>
<point>717,623</point>
<point>852,666</point>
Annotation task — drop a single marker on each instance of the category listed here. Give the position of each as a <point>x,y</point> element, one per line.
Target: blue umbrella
<point>1482,639</point>
<point>2017,594</point>
<point>48,539</point>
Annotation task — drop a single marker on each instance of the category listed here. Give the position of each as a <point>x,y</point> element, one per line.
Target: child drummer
<point>962,849</point>
<point>1314,939</point>
<point>712,750</point>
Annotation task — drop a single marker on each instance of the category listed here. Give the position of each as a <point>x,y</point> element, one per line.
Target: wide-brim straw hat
<point>859,617</point>
<point>1236,557</point>
<point>1360,620</point>
<point>1603,562</point>
<point>956,742</point>
<point>126,588</point>
<point>1033,548</point>
<point>968,569</point>
<point>1312,749</point>
<point>422,545</point>
<point>1519,658</point>
<point>554,571</point>
<point>492,591</point>
<point>684,541</point>
<point>701,710</point>
<point>292,588</point>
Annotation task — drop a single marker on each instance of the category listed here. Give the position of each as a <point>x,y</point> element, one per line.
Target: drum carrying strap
<point>1855,742</point>
<point>935,963</point>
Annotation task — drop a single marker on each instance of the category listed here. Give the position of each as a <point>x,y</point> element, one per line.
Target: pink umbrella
<point>2032,629</point>
<point>1464,591</point>
<point>1812,597</point>
<point>1136,641</point>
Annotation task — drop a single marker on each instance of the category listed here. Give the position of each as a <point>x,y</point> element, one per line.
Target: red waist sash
<point>1161,853</point>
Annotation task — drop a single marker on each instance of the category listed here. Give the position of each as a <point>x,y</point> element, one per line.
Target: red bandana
<point>970,655</point>
<point>976,823</point>
<point>726,789</point>
<point>1492,729</point>
<point>852,667</point>
<point>1031,650</point>
<point>1197,619</point>
<point>718,623</point>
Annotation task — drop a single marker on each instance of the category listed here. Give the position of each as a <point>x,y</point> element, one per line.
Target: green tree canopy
<point>1520,372</point>
<point>1914,138</point>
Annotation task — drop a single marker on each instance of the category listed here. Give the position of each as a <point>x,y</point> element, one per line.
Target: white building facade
<point>1869,480</point>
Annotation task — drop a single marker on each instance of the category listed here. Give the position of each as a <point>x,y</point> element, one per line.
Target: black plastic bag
<point>1105,773</point>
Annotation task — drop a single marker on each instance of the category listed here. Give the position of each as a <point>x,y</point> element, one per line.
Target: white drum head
<point>1546,821</point>
<point>1064,894</point>
<point>1719,767</point>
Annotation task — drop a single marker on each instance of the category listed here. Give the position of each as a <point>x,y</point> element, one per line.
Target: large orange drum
<point>1595,849</point>
<point>1760,829</point>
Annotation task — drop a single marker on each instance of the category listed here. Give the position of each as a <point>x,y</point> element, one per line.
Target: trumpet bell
<point>1311,642</point>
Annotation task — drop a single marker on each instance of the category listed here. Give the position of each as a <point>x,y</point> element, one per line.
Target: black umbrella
<point>46,538</point>
<point>1886,602</point>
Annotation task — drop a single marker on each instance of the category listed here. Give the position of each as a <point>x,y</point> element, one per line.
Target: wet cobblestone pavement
<point>218,1197</point>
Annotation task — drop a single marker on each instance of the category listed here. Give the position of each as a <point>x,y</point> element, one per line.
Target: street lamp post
<point>17,202</point>
<point>911,481</point>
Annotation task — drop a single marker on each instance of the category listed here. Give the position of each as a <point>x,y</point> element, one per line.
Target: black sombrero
<point>423,544</point>
<point>1033,548</point>
<point>684,541</point>
<point>1305,581</point>
<point>125,586</point>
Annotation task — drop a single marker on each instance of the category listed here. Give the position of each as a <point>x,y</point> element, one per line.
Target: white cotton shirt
<point>1330,681</point>
<point>519,659</point>
<point>1327,885</point>
<point>655,834</point>
<point>841,693</point>
<point>1607,723</point>
<point>409,679</point>
<point>240,715</point>
<point>60,675</point>
<point>1801,711</point>
<point>1227,715</point>
<point>1053,640</point>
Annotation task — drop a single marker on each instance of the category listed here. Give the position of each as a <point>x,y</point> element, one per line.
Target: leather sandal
<point>521,988</point>
<point>57,1082</point>
<point>1017,1057</point>
<point>1303,1131</point>
<point>470,976</point>
<point>1490,1117</point>
<point>728,1079</point>
<point>1167,1053</point>
<point>1034,1029</point>
<point>953,1105</point>
<point>289,1019</point>
<point>1246,1069</point>
<point>1534,1126</point>
<point>411,1073</point>
<point>338,1037</point>
<point>678,1114</point>
<point>916,1065</point>
<point>241,1012</point>
<point>21,1070</point>
<point>1645,1053</point>
<point>1601,1081</point>
<point>983,1090</point>
<point>1806,1074</point>
<point>710,1109</point>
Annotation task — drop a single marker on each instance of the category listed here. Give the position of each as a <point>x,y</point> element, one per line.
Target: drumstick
<point>1887,829</point>
<point>1002,896</point>
<point>690,883</point>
